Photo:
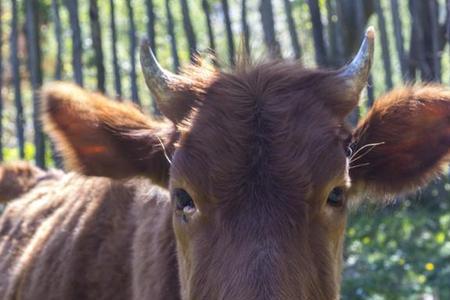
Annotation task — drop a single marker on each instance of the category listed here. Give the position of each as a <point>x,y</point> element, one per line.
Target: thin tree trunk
<point>292,29</point>
<point>360,19</point>
<point>97,44</point>
<point>336,51</point>
<point>152,38</point>
<point>133,45</point>
<point>189,29</point>
<point>1,82</point>
<point>399,41</point>
<point>77,46</point>
<point>423,48</point>
<point>417,46</point>
<point>34,59</point>
<point>448,20</point>
<point>59,42</point>
<point>339,29</point>
<point>435,40</point>
<point>319,41</point>
<point>151,25</point>
<point>267,20</point>
<point>226,14</point>
<point>207,12</point>
<point>15,64</point>
<point>384,45</point>
<point>353,17</point>
<point>58,69</point>
<point>245,28</point>
<point>115,59</point>
<point>332,49</point>
<point>173,38</point>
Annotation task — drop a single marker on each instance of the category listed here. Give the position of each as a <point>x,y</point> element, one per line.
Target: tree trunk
<point>77,46</point>
<point>59,42</point>
<point>97,44</point>
<point>427,39</point>
<point>399,41</point>
<point>417,54</point>
<point>173,38</point>
<point>207,12</point>
<point>360,21</point>
<point>292,29</point>
<point>152,38</point>
<point>226,14</point>
<point>1,83</point>
<point>151,25</point>
<point>336,52</point>
<point>353,16</point>
<point>267,21</point>
<point>15,64</point>
<point>189,29</point>
<point>448,20</point>
<point>245,29</point>
<point>435,53</point>
<point>34,60</point>
<point>115,59</point>
<point>319,41</point>
<point>133,46</point>
<point>384,46</point>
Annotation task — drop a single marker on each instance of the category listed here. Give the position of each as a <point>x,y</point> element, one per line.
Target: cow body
<point>88,238</point>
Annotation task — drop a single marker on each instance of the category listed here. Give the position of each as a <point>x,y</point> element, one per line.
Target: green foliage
<point>12,154</point>
<point>401,251</point>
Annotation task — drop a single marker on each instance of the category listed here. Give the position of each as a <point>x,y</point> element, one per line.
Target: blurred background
<point>396,252</point>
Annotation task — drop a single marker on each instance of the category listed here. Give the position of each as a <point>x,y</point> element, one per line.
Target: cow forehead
<point>254,136</point>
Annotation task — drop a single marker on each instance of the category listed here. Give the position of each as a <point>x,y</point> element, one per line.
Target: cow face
<point>259,163</point>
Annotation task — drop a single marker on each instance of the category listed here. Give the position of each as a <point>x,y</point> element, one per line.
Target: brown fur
<point>72,239</point>
<point>413,125</point>
<point>259,152</point>
<point>20,177</point>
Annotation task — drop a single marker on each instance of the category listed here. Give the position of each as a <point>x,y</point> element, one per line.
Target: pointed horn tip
<point>370,32</point>
<point>145,43</point>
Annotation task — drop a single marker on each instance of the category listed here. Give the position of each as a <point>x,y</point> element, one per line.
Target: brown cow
<point>260,168</point>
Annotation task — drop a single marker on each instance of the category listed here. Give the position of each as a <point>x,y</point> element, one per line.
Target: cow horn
<point>157,79</point>
<point>160,81</point>
<point>357,72</point>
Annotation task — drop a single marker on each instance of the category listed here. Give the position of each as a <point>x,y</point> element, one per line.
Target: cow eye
<point>183,201</point>
<point>348,151</point>
<point>337,197</point>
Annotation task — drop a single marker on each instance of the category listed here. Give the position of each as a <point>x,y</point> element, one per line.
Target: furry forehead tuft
<point>275,77</point>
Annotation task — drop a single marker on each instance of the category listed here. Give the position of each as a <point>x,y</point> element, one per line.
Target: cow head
<point>260,164</point>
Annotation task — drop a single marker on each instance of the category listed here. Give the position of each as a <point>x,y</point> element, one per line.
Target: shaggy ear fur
<point>17,179</point>
<point>101,137</point>
<point>403,142</point>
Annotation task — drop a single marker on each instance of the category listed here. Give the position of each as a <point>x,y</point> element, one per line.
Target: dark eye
<point>183,201</point>
<point>337,197</point>
<point>348,151</point>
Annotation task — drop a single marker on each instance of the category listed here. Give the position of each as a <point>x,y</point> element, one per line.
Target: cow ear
<point>403,142</point>
<point>100,137</point>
